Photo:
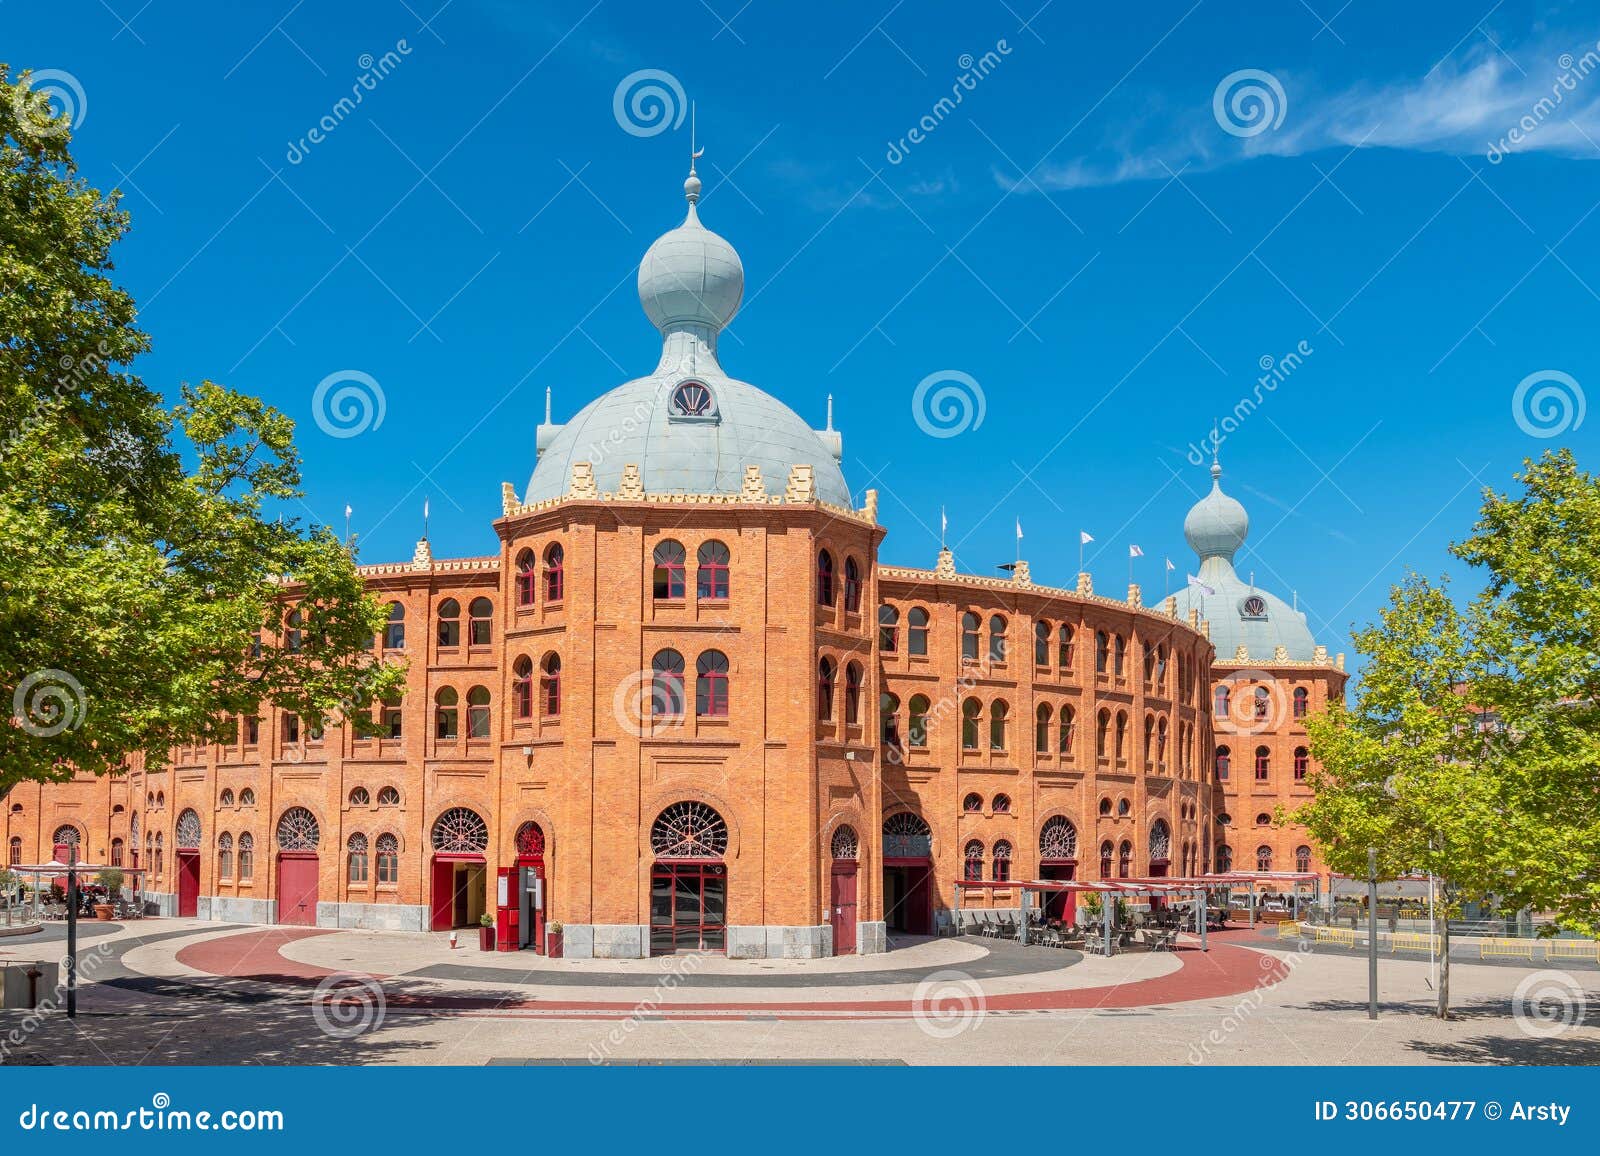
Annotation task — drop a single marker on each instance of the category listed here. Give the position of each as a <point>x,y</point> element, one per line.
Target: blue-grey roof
<point>1216,528</point>
<point>690,285</point>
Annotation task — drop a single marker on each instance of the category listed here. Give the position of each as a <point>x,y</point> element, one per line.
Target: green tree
<point>139,562</point>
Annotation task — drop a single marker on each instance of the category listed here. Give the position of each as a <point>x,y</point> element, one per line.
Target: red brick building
<point>684,697</point>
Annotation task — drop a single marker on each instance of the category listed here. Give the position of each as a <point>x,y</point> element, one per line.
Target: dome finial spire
<point>691,186</point>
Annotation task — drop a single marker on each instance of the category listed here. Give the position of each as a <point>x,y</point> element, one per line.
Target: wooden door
<point>842,905</point>
<point>297,890</point>
<point>444,911</point>
<point>189,884</point>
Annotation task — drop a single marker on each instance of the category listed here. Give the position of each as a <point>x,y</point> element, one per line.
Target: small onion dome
<point>1217,525</point>
<point>691,276</point>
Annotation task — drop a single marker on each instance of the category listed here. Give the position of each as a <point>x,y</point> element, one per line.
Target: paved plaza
<point>183,992</point>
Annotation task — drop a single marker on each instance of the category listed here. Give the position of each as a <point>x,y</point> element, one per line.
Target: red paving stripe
<point>1225,970</point>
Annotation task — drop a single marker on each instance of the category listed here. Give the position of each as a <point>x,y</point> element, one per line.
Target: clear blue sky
<point>1080,235</point>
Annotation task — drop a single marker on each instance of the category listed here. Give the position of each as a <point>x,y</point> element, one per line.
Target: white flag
<point>1084,537</point>
<point>1199,585</point>
<point>1019,529</point>
<point>1170,566</point>
<point>1135,552</point>
<point>347,509</point>
<point>424,507</point>
<point>944,523</point>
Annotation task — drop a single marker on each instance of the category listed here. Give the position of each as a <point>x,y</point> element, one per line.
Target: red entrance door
<point>444,895</point>
<point>843,908</point>
<point>189,884</point>
<point>297,889</point>
<point>1060,905</point>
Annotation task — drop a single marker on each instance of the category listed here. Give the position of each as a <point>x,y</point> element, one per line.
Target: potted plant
<point>486,932</point>
<point>111,880</point>
<point>553,939</point>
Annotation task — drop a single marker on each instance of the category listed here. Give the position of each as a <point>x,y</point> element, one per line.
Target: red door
<point>189,884</point>
<point>444,895</point>
<point>297,889</point>
<point>843,908</point>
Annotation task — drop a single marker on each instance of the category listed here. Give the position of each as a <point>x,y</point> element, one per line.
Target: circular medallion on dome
<point>693,399</point>
<point>1254,606</point>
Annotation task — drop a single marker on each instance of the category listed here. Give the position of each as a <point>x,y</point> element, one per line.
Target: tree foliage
<point>138,559</point>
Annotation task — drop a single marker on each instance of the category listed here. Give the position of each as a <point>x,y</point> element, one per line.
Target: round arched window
<point>692,399</point>
<point>298,830</point>
<point>689,830</point>
<point>187,833</point>
<point>530,840</point>
<point>845,843</point>
<point>460,831</point>
<point>1058,839</point>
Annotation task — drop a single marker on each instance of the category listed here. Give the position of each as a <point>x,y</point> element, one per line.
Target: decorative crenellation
<point>422,558</point>
<point>631,487</point>
<point>1135,595</point>
<point>753,489</point>
<point>870,510</point>
<point>1085,583</point>
<point>508,498</point>
<point>946,566</point>
<point>802,485</point>
<point>385,569</point>
<point>581,484</point>
<point>1020,575</point>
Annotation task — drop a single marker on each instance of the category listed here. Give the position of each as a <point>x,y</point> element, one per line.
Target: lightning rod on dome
<point>829,428</point>
<point>547,405</point>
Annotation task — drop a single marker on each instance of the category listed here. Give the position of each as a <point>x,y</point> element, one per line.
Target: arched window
<point>971,715</point>
<point>1058,840</point>
<point>825,678</point>
<point>1263,858</point>
<point>1224,858</point>
<point>550,685</point>
<point>1302,701</point>
<point>889,719</point>
<point>972,861</point>
<point>1263,764</point>
<point>294,637</point>
<point>1002,862</point>
<point>1106,852</point>
<point>1160,843</point>
<point>1161,743</point>
<point>1263,819</point>
<point>825,593</point>
<point>1302,764</point>
<point>1041,729</point>
<point>480,622</point>
<point>1123,806</point>
<point>291,728</point>
<point>970,625</point>
<point>667,581</point>
<point>186,833</point>
<point>666,685</point>
<point>1119,653</point>
<point>1263,703</point>
<point>388,859</point>
<point>689,830</point>
<point>1064,647</point>
<point>224,855</point>
<point>555,574</point>
<point>1224,762</point>
<point>1221,701</point>
<point>460,831</point>
<point>360,797</point>
<point>711,573</point>
<point>917,631</point>
<point>1302,858</point>
<point>247,798</point>
<point>14,853</point>
<point>711,685</point>
<point>917,721</point>
<point>1122,735</point>
<point>1041,644</point>
<point>1102,652</point>
<point>247,857</point>
<point>997,638</point>
<point>1149,738</point>
<point>159,858</point>
<point>1102,734</point>
<point>973,803</point>
<point>298,830</point>
<point>388,797</point>
<point>444,714</point>
<point>852,586</point>
<point>998,719</point>
<point>225,799</point>
<point>449,623</point>
<point>526,578</point>
<point>1124,859</point>
<point>1065,726</point>
<point>478,712</point>
<point>852,694</point>
<point>522,687</point>
<point>845,843</point>
<point>888,629</point>
<point>116,852</point>
<point>1001,804</point>
<point>530,841</point>
<point>356,857</point>
<point>906,836</point>
<point>394,631</point>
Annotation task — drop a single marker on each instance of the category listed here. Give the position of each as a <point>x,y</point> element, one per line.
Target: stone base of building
<point>969,919</point>
<point>872,938</point>
<point>373,916</point>
<point>632,941</point>
<point>233,909</point>
<point>160,903</point>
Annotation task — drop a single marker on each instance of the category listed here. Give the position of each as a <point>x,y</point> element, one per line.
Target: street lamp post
<point>1372,933</point>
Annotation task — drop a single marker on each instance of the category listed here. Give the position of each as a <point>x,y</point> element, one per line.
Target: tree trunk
<point>1443,922</point>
